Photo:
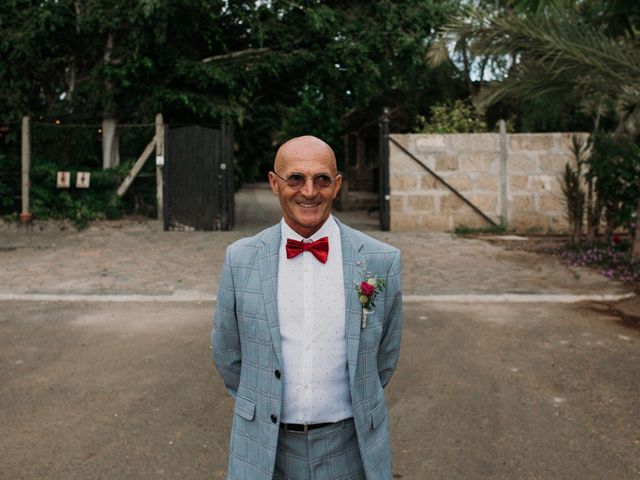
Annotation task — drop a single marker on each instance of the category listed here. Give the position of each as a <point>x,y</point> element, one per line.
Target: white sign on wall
<point>82,180</point>
<point>63,180</point>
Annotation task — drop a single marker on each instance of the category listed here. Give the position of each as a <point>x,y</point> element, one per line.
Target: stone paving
<point>129,257</point>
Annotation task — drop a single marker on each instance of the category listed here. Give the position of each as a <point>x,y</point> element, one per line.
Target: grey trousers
<point>327,453</point>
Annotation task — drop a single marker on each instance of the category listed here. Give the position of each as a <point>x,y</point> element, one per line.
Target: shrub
<point>460,117</point>
<point>614,169</point>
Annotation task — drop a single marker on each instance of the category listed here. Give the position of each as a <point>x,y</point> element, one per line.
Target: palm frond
<point>556,50</point>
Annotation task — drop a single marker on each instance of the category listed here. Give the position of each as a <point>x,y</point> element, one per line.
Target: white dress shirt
<point>311,311</point>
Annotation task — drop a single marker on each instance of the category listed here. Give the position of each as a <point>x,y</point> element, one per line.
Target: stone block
<point>521,203</point>
<point>521,163</point>
<point>554,163</point>
<point>430,142</point>
<point>428,182</point>
<point>487,203</point>
<point>403,222</point>
<point>541,183</point>
<point>564,140</point>
<point>446,163</point>
<point>400,162</point>
<point>552,203</point>
<point>436,223</point>
<point>493,166</point>
<point>486,182</point>
<point>421,203</point>
<point>460,182</point>
<point>403,139</point>
<point>450,203</point>
<point>396,204</point>
<point>473,142</point>
<point>469,219</point>
<point>518,182</point>
<point>558,224</point>
<point>472,162</point>
<point>527,142</point>
<point>403,183</point>
<point>478,161</point>
<point>529,223</point>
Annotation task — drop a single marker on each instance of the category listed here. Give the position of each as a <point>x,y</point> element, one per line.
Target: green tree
<point>586,52</point>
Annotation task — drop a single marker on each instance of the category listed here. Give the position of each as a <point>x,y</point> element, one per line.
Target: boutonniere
<point>367,290</point>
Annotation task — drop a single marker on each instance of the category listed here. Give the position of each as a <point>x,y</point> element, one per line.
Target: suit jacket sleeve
<point>389,350</point>
<point>225,336</point>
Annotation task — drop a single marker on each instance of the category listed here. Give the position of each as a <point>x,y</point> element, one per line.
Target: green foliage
<point>9,184</point>
<point>457,118</point>
<point>56,148</point>
<point>572,184</point>
<point>614,168</point>
<point>79,205</point>
<point>275,69</point>
<point>574,198</point>
<point>463,230</point>
<point>563,55</point>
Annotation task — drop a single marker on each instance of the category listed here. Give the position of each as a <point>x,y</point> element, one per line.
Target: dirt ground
<point>505,391</point>
<point>98,381</point>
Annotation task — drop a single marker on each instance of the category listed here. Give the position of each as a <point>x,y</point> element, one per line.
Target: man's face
<point>305,209</point>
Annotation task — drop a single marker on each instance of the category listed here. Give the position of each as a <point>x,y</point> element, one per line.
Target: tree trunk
<point>110,140</point>
<point>110,143</point>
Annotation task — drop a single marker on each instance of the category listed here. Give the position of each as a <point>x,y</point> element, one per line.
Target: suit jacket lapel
<point>268,268</point>
<point>352,262</point>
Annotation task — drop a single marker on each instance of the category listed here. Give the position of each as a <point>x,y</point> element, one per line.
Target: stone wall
<point>510,175</point>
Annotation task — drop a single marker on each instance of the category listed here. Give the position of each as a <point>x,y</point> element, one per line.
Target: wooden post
<point>504,175</point>
<point>25,216</point>
<point>159,163</point>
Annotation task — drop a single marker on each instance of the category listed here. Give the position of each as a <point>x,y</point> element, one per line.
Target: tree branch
<point>240,53</point>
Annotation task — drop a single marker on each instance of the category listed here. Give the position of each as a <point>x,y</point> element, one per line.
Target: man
<point>304,360</point>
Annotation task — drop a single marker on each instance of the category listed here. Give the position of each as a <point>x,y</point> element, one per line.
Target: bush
<point>72,150</point>
<point>457,118</point>
<point>80,205</point>
<point>614,169</point>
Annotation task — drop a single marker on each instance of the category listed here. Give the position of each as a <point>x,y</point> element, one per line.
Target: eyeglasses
<point>297,180</point>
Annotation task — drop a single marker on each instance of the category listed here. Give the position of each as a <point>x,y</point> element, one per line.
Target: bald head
<point>305,206</point>
<point>303,147</point>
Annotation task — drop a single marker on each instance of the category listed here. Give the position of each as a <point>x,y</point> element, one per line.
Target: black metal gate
<point>198,175</point>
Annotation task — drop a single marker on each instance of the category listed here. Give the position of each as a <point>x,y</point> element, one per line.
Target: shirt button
<point>274,419</point>
<point>277,374</point>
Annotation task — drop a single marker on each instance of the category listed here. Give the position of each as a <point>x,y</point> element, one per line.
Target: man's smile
<point>307,204</point>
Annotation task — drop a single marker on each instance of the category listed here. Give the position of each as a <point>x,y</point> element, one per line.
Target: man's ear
<point>338,185</point>
<point>273,181</point>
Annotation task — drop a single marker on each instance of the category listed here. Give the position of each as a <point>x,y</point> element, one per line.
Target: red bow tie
<point>319,248</point>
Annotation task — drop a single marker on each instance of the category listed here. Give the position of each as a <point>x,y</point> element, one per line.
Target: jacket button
<point>278,374</point>
<point>274,419</point>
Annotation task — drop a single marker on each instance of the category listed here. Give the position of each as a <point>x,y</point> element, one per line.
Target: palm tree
<point>585,51</point>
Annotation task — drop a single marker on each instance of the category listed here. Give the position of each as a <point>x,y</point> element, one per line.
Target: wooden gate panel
<point>192,196</point>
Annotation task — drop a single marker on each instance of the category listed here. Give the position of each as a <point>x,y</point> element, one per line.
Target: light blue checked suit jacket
<point>246,348</point>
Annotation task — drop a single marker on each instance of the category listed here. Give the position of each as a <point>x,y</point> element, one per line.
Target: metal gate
<point>383,172</point>
<point>198,190</point>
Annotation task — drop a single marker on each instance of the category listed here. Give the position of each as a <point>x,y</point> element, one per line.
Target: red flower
<point>616,239</point>
<point>367,289</point>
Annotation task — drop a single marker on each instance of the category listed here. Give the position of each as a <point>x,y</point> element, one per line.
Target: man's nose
<point>308,189</point>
